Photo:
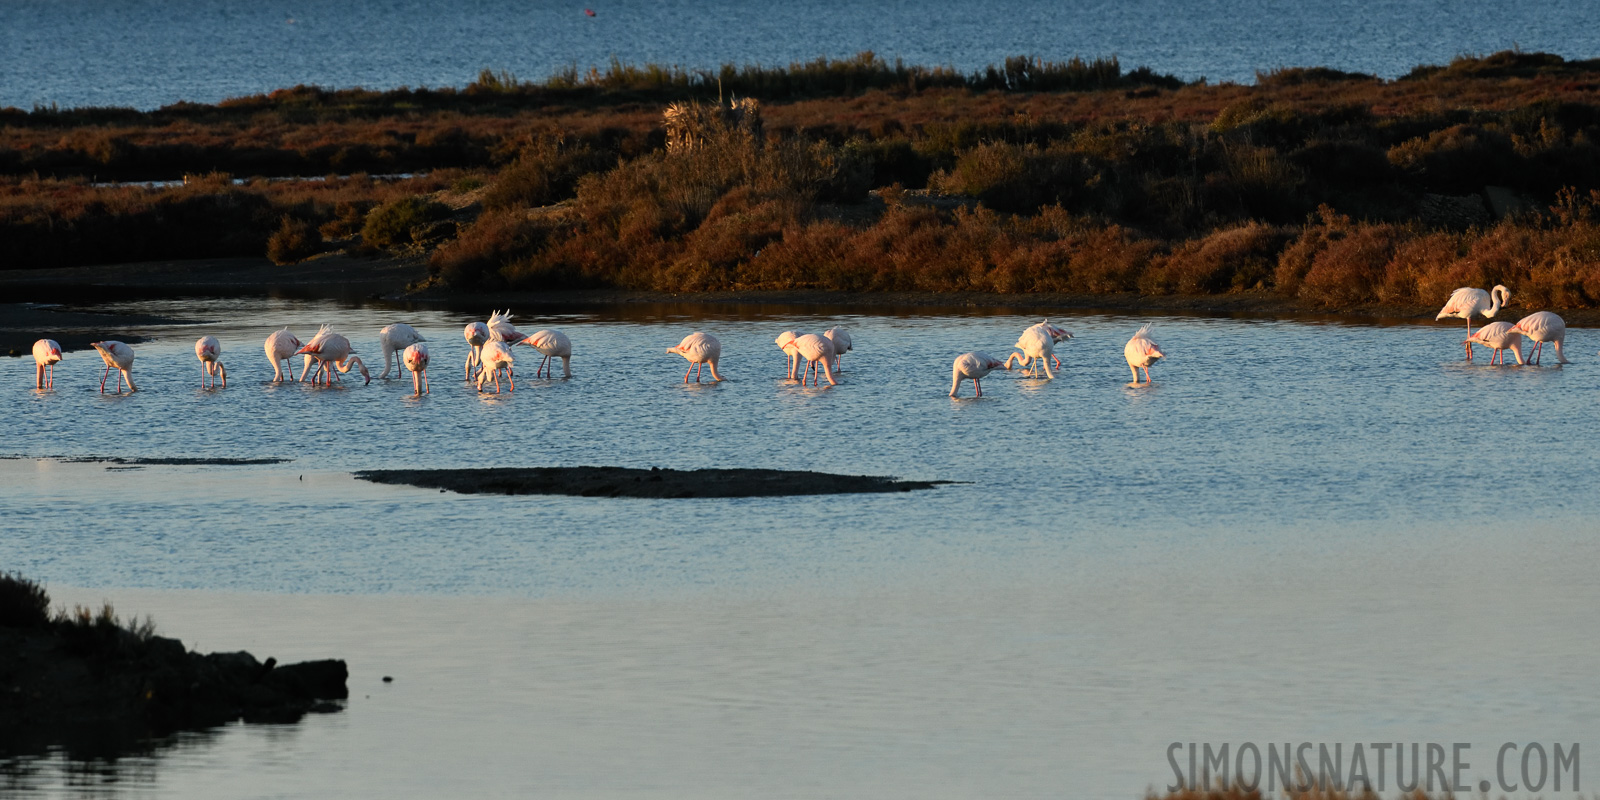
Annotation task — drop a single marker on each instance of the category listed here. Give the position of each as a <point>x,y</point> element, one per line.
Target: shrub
<point>493,241</point>
<point>295,240</point>
<point>23,603</point>
<point>545,173</point>
<point>390,224</point>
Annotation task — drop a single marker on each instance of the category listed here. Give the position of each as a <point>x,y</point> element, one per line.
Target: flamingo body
<point>1036,343</point>
<point>1142,351</point>
<point>1541,327</point>
<point>1499,337</point>
<point>841,343</point>
<point>281,347</point>
<point>46,354</point>
<point>476,334</point>
<point>415,359</point>
<point>700,349</point>
<point>496,358</point>
<point>551,344</point>
<point>791,356</point>
<point>819,355</point>
<point>391,341</point>
<point>332,352</point>
<point>209,351</point>
<point>974,366</point>
<point>1467,302</point>
<point>118,356</point>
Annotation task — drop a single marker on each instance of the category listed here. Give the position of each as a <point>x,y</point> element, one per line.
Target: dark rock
<point>652,483</point>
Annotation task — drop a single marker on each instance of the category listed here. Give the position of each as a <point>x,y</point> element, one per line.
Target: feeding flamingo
<point>1142,351</point>
<point>496,358</point>
<point>1467,302</point>
<point>46,354</point>
<point>500,325</point>
<point>477,333</point>
<point>332,351</point>
<point>1499,337</point>
<point>117,356</point>
<point>791,356</point>
<point>209,351</point>
<point>393,339</point>
<point>1541,327</point>
<point>841,343</point>
<point>552,344</point>
<point>819,355</point>
<point>415,358</point>
<point>700,349</point>
<point>281,347</point>
<point>1035,343</point>
<point>1057,336</point>
<point>975,365</point>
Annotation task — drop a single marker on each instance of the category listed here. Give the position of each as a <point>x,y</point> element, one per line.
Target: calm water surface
<point>1302,531</point>
<point>146,53</point>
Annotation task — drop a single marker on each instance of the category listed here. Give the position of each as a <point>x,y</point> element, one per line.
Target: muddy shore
<point>643,483</point>
<point>386,280</point>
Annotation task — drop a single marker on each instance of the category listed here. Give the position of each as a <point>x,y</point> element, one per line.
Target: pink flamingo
<point>477,333</point>
<point>1499,337</point>
<point>332,351</point>
<point>281,347</point>
<point>46,354</point>
<point>841,344</point>
<point>791,356</point>
<point>1541,327</point>
<point>209,351</point>
<point>1142,351</point>
<point>700,349</point>
<point>496,358</point>
<point>393,339</point>
<point>1036,343</point>
<point>819,355</point>
<point>552,344</point>
<point>415,358</point>
<point>117,356</point>
<point>974,365</point>
<point>1467,302</point>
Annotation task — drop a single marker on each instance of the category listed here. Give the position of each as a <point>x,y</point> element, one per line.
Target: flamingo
<point>393,339</point>
<point>1057,336</point>
<point>209,351</point>
<point>415,358</point>
<point>1142,351</point>
<point>791,356</point>
<point>1499,337</point>
<point>841,343</point>
<point>477,333</point>
<point>1541,327</point>
<point>975,365</point>
<point>46,354</point>
<point>281,347</point>
<point>1035,343</point>
<point>700,349</point>
<point>1466,302</point>
<point>496,358</point>
<point>117,356</point>
<point>552,344</point>
<point>819,355</point>
<point>332,351</point>
<point>500,325</point>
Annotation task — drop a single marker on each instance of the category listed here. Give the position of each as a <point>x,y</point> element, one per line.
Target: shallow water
<point>146,53</point>
<point>1302,531</point>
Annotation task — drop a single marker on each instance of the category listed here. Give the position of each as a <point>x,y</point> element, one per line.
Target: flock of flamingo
<point>490,356</point>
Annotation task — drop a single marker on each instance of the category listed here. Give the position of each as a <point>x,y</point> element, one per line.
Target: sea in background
<point>1306,530</point>
<point>148,53</point>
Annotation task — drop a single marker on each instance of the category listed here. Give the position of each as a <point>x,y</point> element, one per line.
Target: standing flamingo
<point>117,356</point>
<point>393,339</point>
<point>1035,343</point>
<point>415,358</point>
<point>1466,302</point>
<point>1499,337</point>
<point>281,347</point>
<point>332,351</point>
<point>209,351</point>
<point>819,355</point>
<point>1057,336</point>
<point>975,365</point>
<point>841,344</point>
<point>46,354</point>
<point>700,349</point>
<point>1541,327</point>
<point>1142,351</point>
<point>552,344</point>
<point>477,333</point>
<point>791,356</point>
<point>496,358</point>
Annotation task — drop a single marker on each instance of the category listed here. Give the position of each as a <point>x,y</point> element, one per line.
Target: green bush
<point>390,224</point>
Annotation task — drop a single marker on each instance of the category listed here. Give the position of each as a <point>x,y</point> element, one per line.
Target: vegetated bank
<point>90,682</point>
<point>1316,187</point>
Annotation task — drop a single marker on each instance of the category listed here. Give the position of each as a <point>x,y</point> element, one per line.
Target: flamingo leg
<point>977,387</point>
<point>425,388</point>
<point>1469,336</point>
<point>686,373</point>
<point>103,378</point>
<point>699,366</point>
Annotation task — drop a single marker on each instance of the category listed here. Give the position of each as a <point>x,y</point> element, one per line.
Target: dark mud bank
<point>106,689</point>
<point>646,483</point>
